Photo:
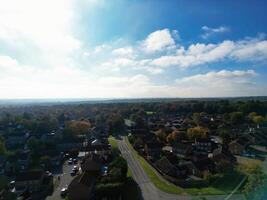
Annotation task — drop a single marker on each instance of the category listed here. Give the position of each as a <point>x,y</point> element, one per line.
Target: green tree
<point>226,138</point>
<point>2,146</point>
<point>196,118</point>
<point>35,146</point>
<point>236,118</point>
<point>119,168</point>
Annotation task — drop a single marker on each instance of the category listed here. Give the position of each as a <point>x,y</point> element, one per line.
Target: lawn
<point>112,141</point>
<point>222,185</point>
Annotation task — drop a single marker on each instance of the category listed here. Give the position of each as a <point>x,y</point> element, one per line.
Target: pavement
<point>148,189</point>
<point>65,179</point>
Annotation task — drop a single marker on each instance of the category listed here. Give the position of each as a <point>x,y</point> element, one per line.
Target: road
<point>65,179</point>
<point>148,189</point>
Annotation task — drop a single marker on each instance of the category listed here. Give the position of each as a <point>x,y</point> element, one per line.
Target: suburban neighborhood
<point>90,151</point>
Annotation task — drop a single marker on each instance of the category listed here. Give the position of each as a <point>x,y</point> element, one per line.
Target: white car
<point>63,192</point>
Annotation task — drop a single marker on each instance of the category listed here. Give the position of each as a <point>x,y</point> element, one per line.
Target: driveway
<point>65,179</point>
<point>149,191</point>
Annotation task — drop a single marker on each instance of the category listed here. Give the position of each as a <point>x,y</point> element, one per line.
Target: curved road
<point>149,191</point>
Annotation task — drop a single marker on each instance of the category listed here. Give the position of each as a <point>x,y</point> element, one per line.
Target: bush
<point>119,168</point>
<point>109,189</point>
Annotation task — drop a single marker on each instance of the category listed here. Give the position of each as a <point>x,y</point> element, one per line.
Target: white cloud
<point>158,41</point>
<point>221,83</point>
<point>124,51</point>
<point>198,54</point>
<point>22,81</point>
<point>253,50</point>
<point>212,31</point>
<point>155,70</point>
<point>45,25</point>
<point>220,75</point>
<point>45,59</point>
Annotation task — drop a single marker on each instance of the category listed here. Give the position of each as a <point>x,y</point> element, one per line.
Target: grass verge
<point>112,141</point>
<point>222,186</point>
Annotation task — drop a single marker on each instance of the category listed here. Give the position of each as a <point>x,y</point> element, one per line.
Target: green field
<point>223,185</point>
<point>112,141</point>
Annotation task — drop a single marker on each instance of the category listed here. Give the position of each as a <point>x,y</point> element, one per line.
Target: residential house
<point>235,147</point>
<point>31,180</point>
<point>183,150</point>
<point>166,167</point>
<point>66,146</point>
<point>204,145</point>
<point>82,187</point>
<point>91,164</point>
<point>189,167</point>
<point>139,132</point>
<point>152,149</point>
<point>205,164</point>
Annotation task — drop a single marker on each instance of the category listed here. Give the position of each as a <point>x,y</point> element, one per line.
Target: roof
<point>167,148</point>
<point>236,142</point>
<point>153,144</point>
<point>164,165</point>
<point>81,187</point>
<point>204,164</point>
<point>30,175</point>
<point>204,140</point>
<point>91,163</point>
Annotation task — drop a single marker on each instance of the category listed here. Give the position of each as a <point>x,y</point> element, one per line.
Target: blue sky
<point>131,49</point>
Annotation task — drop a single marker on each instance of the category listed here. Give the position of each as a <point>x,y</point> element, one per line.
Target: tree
<point>175,136</point>
<point>80,127</point>
<point>197,132</point>
<point>236,117</point>
<point>196,118</point>
<point>118,167</point>
<point>2,146</point>
<point>116,123</point>
<point>225,135</point>
<point>161,134</point>
<point>35,147</point>
<point>256,185</point>
<point>258,120</point>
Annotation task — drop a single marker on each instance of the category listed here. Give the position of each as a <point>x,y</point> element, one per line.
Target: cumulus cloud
<point>220,83</point>
<point>124,51</point>
<point>27,22</point>
<point>41,57</point>
<point>159,40</point>
<point>220,75</point>
<point>68,82</point>
<point>198,54</point>
<point>208,31</point>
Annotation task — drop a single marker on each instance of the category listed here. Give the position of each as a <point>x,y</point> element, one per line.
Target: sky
<point>132,49</point>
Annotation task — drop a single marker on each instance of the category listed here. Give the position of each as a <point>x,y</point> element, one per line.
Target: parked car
<point>73,172</point>
<point>11,185</point>
<point>70,161</point>
<point>63,192</point>
<point>75,161</point>
<point>48,173</point>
